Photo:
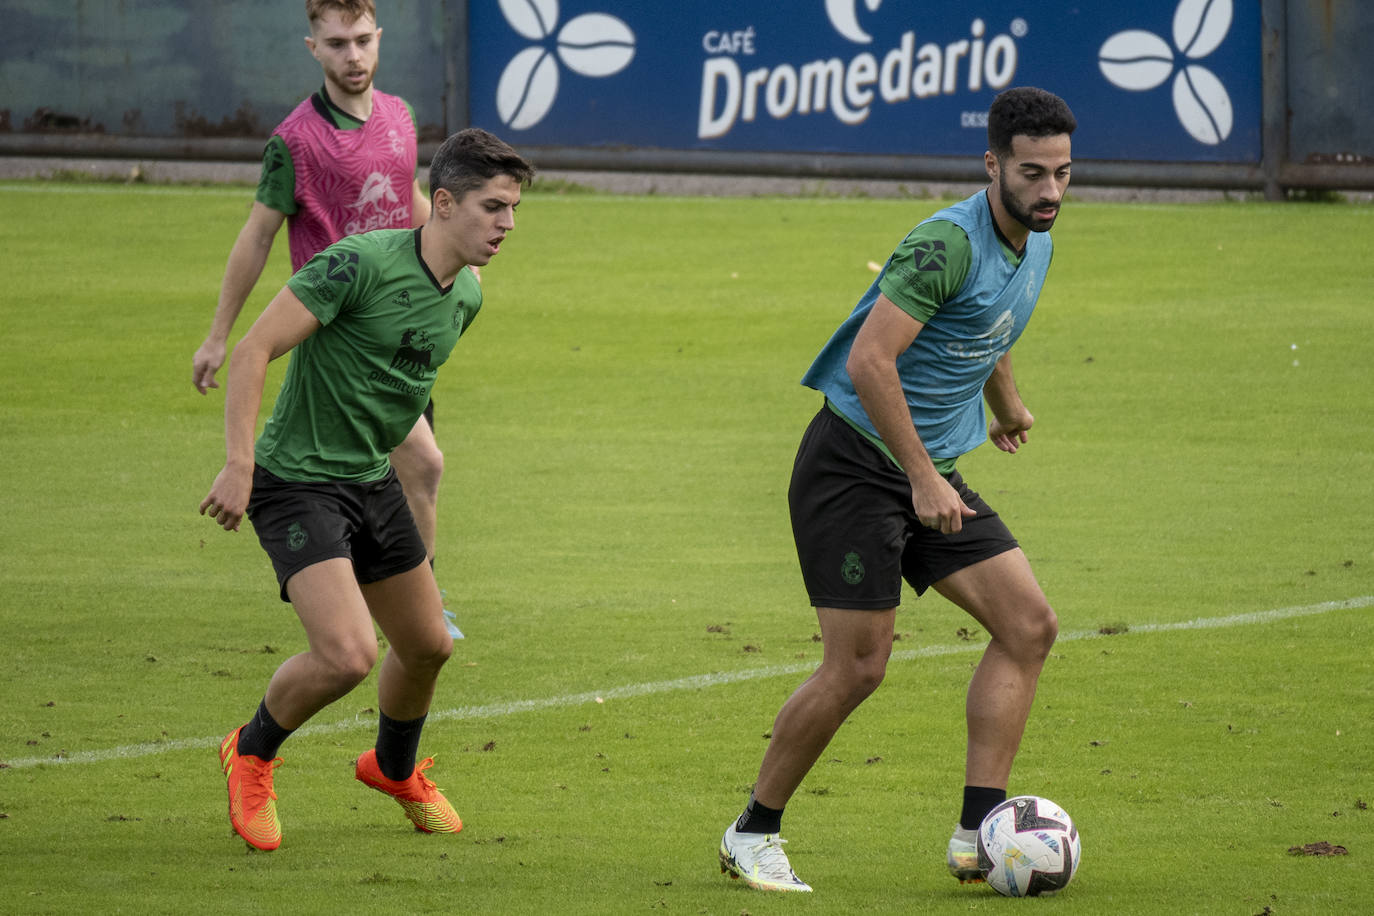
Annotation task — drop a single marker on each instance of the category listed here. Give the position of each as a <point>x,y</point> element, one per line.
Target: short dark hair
<point>1026,111</point>
<point>472,157</point>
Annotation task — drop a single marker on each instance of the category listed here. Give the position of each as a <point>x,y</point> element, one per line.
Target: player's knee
<point>1026,631</point>
<point>430,470</point>
<point>441,652</point>
<point>1040,628</point>
<point>429,656</point>
<point>420,469</point>
<point>347,667</point>
<point>861,676</point>
<point>870,676</point>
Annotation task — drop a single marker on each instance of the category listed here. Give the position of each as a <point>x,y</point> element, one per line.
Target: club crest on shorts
<point>852,569</point>
<point>296,536</point>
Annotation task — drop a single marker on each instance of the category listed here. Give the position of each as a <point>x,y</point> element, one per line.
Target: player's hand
<point>1009,435</point>
<point>937,506</point>
<point>205,364</point>
<point>227,500</point>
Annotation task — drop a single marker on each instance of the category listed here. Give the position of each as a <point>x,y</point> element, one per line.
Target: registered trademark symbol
<point>1019,28</point>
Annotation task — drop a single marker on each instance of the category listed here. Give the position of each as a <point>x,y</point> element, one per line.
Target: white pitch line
<point>694,682</point>
<point>117,187</point>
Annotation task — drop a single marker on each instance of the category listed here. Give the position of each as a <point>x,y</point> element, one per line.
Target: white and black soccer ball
<point>1027,847</point>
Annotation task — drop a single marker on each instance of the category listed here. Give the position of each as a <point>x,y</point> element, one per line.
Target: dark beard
<point>1023,214</point>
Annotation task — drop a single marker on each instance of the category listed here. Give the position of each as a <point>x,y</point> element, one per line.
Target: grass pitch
<point>619,429</point>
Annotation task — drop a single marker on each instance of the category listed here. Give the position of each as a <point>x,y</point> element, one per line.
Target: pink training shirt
<point>348,181</point>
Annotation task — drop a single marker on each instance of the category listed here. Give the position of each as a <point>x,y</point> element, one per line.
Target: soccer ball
<point>1027,847</point>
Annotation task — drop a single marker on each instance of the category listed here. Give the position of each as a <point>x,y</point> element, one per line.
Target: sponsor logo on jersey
<point>413,355</point>
<point>988,346</point>
<point>342,267</point>
<point>413,359</point>
<point>378,206</point>
<point>930,256</point>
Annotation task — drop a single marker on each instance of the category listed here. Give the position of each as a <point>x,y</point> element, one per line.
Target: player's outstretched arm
<point>1011,421</point>
<point>283,324</point>
<point>247,259</point>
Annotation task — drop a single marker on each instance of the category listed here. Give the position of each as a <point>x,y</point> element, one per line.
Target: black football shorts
<point>301,524</point>
<point>856,531</point>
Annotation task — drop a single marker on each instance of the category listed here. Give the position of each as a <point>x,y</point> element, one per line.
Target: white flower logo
<point>844,16</point>
<point>594,44</point>
<point>1137,61</point>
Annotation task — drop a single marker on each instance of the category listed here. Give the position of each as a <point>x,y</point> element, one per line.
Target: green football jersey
<point>927,269</point>
<point>355,387</point>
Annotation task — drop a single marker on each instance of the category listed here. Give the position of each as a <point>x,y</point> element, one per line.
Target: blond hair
<point>350,10</point>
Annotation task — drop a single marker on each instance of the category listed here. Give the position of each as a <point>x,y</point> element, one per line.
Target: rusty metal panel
<point>1330,82</point>
<point>191,68</point>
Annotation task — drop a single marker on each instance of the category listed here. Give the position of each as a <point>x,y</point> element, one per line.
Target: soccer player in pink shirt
<point>343,162</point>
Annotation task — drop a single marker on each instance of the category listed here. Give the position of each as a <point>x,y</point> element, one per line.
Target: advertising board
<point>1169,82</point>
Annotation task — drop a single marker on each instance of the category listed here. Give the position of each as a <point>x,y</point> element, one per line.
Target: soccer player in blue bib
<point>875,497</point>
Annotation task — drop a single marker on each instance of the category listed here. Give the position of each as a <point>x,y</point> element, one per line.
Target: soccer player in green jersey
<point>876,498</point>
<point>368,322</point>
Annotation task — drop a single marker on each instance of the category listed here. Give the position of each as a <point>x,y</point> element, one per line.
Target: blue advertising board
<point>1175,81</point>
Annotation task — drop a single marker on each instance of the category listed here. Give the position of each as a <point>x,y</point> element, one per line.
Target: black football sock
<point>978,801</point>
<point>397,746</point>
<point>759,818</point>
<point>262,736</point>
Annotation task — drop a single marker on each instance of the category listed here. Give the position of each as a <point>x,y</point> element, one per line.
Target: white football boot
<point>759,860</point>
<point>962,856</point>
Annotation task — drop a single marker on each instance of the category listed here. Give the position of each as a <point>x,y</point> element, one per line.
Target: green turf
<point>618,429</point>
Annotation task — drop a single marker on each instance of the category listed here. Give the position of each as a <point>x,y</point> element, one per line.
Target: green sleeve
<point>277,183</point>
<point>330,282</point>
<point>472,292</point>
<point>927,269</point>
<point>414,126</point>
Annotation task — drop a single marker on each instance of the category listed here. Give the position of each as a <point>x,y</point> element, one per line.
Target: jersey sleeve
<point>333,280</point>
<point>414,126</point>
<point>471,292</point>
<point>277,183</point>
<point>928,268</point>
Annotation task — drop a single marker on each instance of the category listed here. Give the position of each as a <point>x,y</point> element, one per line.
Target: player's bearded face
<point>1032,180</point>
<point>1031,214</point>
<point>353,76</point>
<point>348,53</point>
